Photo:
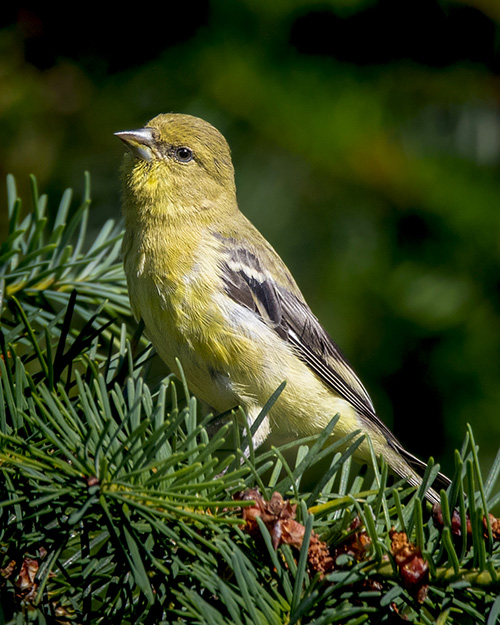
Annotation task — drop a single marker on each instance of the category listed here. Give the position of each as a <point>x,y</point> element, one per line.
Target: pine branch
<point>42,264</point>
<point>117,506</point>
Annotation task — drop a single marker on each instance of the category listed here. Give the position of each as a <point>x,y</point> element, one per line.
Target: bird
<point>213,293</point>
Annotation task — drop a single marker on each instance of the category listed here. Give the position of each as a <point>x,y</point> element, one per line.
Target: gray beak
<point>140,142</point>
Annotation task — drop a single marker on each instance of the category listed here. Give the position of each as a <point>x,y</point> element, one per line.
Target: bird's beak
<point>140,142</point>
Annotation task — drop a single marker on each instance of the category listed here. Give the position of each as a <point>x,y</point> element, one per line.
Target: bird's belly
<point>177,343</point>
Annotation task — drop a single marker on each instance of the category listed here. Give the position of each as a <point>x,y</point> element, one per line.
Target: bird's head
<point>176,163</point>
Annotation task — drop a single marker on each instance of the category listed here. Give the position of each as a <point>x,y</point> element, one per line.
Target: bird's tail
<point>418,468</point>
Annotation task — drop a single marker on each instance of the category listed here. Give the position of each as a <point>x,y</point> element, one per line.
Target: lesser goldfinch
<point>213,293</point>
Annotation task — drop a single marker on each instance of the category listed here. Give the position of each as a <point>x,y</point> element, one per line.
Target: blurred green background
<point>366,141</point>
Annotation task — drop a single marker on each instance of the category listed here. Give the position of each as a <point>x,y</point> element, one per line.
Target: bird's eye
<point>183,155</point>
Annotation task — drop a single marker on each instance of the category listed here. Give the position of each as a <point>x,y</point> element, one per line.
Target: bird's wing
<point>247,282</point>
<point>284,309</point>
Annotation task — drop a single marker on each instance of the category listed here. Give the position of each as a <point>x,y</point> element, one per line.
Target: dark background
<point>366,140</point>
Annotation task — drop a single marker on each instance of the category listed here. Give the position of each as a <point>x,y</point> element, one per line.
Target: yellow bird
<point>213,293</point>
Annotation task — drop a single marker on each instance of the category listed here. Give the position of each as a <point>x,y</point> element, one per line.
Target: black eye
<point>183,155</point>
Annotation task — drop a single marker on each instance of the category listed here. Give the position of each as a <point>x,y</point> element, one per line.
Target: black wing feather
<point>246,282</point>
